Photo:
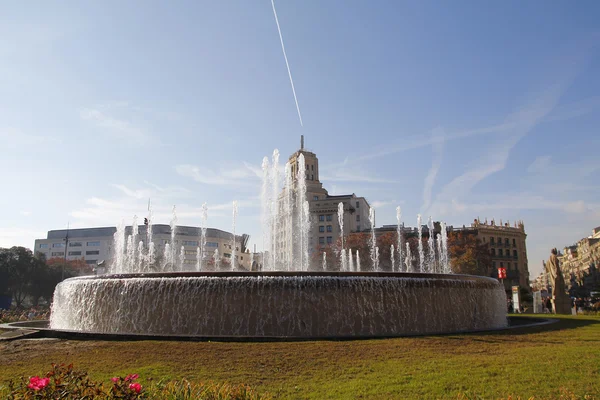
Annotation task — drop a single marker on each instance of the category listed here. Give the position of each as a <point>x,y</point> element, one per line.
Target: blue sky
<point>452,109</point>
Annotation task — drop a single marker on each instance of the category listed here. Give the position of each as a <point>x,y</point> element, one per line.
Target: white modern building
<point>96,244</point>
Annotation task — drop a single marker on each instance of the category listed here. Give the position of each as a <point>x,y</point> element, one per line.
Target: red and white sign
<point>501,273</point>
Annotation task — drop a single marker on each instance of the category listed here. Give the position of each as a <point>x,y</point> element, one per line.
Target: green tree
<point>18,265</point>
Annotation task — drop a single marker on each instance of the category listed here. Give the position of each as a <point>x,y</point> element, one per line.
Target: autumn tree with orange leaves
<point>468,255</point>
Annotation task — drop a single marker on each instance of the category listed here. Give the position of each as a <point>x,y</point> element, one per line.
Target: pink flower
<point>37,383</point>
<point>136,387</point>
<point>114,379</point>
<point>131,377</point>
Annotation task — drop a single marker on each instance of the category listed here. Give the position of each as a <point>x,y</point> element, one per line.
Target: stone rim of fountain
<point>430,277</point>
<point>40,329</point>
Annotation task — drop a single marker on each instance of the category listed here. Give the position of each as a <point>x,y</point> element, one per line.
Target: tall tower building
<point>323,207</point>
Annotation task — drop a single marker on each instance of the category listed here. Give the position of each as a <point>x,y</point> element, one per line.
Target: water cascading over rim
<point>279,304</point>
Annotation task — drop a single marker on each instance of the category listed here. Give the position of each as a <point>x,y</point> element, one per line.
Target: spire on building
<point>301,142</point>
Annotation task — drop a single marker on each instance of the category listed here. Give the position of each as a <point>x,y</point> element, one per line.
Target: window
<point>58,254</point>
<point>329,239</point>
<point>75,244</point>
<point>357,204</point>
<point>329,217</point>
<point>312,177</point>
<point>74,253</point>
<point>514,242</point>
<point>89,262</point>
<point>190,252</point>
<point>499,241</point>
<point>500,252</point>
<point>321,228</point>
<point>212,244</point>
<point>358,227</point>
<point>501,264</point>
<point>515,254</point>
<point>493,252</point>
<point>506,242</point>
<point>94,244</point>
<point>43,245</point>
<point>494,264</point>
<point>315,197</point>
<point>92,252</point>
<point>357,217</point>
<point>321,240</point>
<point>492,242</point>
<point>312,167</point>
<point>227,255</point>
<point>329,228</point>
<point>321,218</point>
<point>190,243</point>
<point>58,245</point>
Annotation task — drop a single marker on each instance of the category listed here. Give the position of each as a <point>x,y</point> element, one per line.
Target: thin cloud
<point>243,176</point>
<point>523,120</point>
<point>540,164</point>
<point>114,126</point>
<point>381,204</point>
<point>437,138</point>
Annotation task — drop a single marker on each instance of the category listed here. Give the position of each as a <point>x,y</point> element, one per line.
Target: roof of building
<point>156,229</point>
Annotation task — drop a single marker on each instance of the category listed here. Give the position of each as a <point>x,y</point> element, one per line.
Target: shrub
<point>64,382</point>
<point>60,383</point>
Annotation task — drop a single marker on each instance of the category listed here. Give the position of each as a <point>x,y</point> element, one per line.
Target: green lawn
<point>542,362</point>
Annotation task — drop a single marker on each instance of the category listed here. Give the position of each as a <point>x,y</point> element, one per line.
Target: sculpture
<point>561,303</point>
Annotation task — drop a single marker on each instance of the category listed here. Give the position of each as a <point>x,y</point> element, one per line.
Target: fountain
<point>292,296</point>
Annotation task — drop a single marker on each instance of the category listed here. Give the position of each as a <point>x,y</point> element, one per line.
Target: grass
<point>541,362</point>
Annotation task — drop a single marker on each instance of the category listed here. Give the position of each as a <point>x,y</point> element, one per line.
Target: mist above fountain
<point>297,294</point>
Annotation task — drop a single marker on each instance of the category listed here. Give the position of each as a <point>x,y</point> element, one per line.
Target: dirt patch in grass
<point>539,361</point>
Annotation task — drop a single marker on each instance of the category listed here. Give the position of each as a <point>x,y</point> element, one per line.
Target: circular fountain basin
<point>279,304</point>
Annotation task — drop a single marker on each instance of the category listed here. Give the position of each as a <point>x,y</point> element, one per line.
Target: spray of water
<point>217,259</point>
<point>445,259</point>
<point>399,237</point>
<point>288,217</point>
<point>203,228</point>
<point>420,244</point>
<point>393,258</point>
<point>303,213</point>
<point>266,211</point>
<point>408,259</point>
<point>431,245</point>
<point>233,249</point>
<point>173,255</point>
<point>350,261</point>
<point>275,182</point>
<point>182,266</point>
<point>358,261</point>
<point>373,244</point>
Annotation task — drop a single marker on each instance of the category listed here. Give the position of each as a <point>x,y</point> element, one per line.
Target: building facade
<point>508,249</point>
<point>579,264</point>
<point>94,245</point>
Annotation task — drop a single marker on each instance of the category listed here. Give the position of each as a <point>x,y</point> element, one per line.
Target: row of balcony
<point>502,244</point>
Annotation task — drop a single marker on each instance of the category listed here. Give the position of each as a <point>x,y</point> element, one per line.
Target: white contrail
<point>286,62</point>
